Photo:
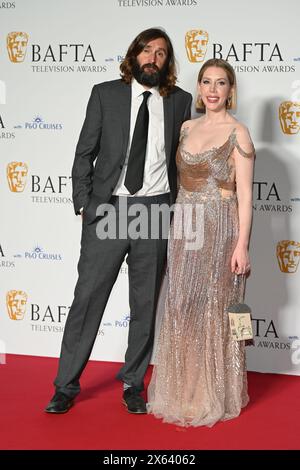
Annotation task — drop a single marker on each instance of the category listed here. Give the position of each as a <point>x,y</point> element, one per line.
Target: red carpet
<point>99,420</point>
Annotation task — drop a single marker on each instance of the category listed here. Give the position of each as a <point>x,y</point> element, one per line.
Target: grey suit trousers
<point>98,268</point>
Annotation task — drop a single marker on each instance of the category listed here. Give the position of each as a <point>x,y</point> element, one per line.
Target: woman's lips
<point>212,99</point>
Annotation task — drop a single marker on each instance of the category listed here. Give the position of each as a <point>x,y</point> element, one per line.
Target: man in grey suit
<point>125,154</point>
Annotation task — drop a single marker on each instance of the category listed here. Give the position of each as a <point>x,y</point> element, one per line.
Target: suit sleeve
<point>86,152</point>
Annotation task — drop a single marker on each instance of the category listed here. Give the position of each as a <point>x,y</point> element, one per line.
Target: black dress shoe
<point>133,401</point>
<point>60,403</point>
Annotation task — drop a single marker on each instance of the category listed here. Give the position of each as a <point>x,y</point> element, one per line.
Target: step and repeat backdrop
<point>51,54</point>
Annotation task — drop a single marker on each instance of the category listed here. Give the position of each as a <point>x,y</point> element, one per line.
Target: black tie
<point>136,161</point>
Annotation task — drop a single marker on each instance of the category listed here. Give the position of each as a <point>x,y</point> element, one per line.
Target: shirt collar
<point>138,89</point>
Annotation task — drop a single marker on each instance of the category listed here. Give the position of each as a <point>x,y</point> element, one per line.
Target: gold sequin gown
<point>199,375</point>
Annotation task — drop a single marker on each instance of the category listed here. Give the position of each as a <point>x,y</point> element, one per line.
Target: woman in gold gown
<point>199,375</point>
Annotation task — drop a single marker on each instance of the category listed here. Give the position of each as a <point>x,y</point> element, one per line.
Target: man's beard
<point>150,79</point>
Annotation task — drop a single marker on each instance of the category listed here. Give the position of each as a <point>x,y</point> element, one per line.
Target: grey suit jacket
<point>104,138</point>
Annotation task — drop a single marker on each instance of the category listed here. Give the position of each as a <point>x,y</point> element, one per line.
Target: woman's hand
<point>240,262</point>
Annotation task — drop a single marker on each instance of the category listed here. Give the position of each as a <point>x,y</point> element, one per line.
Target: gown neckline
<point>196,154</point>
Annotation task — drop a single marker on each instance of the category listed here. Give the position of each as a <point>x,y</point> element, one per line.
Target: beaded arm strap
<point>183,133</point>
<point>241,151</point>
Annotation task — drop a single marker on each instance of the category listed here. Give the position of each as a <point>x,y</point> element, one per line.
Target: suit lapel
<point>169,125</point>
<point>125,110</point>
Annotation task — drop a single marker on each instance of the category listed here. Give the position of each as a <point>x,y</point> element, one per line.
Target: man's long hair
<point>169,77</point>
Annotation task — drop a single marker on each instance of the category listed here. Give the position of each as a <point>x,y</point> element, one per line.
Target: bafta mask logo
<point>16,176</point>
<point>196,44</point>
<point>16,46</point>
<point>289,116</point>
<point>288,255</point>
<point>16,304</point>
